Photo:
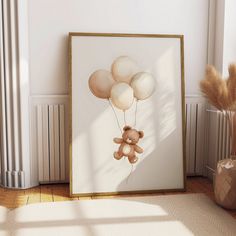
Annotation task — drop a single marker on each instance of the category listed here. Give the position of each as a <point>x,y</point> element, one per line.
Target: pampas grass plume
<point>220,93</point>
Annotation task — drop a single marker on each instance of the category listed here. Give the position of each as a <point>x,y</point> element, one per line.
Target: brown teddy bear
<point>128,144</point>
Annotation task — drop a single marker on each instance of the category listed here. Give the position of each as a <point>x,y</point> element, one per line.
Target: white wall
<point>219,34</point>
<point>225,35</point>
<point>229,54</point>
<point>51,20</point>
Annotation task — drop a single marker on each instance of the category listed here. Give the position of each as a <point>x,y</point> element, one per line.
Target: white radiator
<point>223,144</point>
<point>218,146</point>
<point>11,159</point>
<point>49,132</point>
<point>195,113</point>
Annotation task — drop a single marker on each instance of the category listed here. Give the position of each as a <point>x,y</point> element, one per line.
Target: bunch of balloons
<point>123,84</point>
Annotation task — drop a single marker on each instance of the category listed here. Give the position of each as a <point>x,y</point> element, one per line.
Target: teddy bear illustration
<point>128,144</point>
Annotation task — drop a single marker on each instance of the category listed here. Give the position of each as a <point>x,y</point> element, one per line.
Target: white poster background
<point>94,170</point>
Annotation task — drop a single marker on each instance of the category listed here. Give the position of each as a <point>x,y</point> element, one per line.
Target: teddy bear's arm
<point>118,140</point>
<point>138,149</point>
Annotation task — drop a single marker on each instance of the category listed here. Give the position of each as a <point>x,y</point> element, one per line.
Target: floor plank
<point>33,195</point>
<point>61,192</point>
<point>46,193</point>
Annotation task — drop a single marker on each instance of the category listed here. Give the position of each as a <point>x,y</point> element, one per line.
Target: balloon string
<point>135,113</point>
<point>125,118</point>
<point>117,120</point>
<point>127,179</point>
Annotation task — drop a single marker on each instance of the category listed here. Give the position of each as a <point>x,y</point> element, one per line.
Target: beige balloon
<point>143,84</point>
<point>100,83</point>
<point>123,68</point>
<point>122,95</point>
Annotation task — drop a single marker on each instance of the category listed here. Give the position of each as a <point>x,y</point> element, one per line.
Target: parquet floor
<point>60,192</point>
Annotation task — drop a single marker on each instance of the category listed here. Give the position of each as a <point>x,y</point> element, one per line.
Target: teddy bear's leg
<point>117,155</point>
<point>132,159</point>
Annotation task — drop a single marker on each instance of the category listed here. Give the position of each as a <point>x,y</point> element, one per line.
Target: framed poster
<point>126,113</point>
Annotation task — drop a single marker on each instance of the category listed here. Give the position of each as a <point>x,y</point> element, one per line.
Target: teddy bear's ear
<point>126,128</point>
<point>232,69</point>
<point>141,134</point>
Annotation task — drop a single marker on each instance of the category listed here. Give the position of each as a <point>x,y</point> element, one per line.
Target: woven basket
<point>225,183</point>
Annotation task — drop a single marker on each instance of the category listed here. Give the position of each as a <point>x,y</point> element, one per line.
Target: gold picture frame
<point>142,192</point>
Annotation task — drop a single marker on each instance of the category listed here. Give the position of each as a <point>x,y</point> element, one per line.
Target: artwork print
<point>126,113</point>
<point>124,85</point>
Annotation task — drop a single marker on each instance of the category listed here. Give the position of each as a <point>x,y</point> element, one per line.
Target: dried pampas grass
<point>220,93</point>
<point>231,85</point>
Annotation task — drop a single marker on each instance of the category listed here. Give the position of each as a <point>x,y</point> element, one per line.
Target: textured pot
<point>225,183</point>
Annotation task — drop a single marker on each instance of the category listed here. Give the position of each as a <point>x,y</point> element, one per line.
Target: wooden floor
<point>60,192</point>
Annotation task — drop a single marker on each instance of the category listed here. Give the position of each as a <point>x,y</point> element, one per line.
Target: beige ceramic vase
<point>225,183</point>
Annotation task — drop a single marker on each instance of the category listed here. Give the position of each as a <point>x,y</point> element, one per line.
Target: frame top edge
<point>180,36</point>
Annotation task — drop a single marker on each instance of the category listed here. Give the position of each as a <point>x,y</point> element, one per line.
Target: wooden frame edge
<point>139,192</point>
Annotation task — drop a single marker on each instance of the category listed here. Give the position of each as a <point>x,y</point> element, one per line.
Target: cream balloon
<point>123,68</point>
<point>143,85</point>
<point>100,83</point>
<point>122,96</point>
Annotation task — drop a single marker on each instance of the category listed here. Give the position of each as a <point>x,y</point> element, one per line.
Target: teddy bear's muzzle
<point>128,140</point>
